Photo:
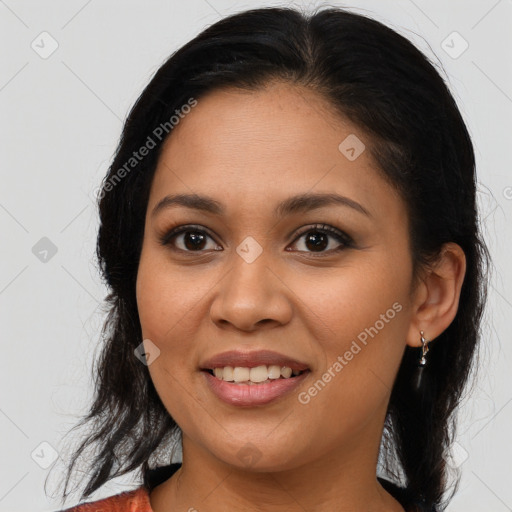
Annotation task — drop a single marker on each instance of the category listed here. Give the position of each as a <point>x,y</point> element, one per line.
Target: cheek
<point>162,305</point>
<point>353,383</point>
<point>162,298</point>
<point>354,297</point>
<point>361,317</point>
<point>170,311</point>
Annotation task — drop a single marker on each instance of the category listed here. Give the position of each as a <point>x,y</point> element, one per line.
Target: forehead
<point>265,145</point>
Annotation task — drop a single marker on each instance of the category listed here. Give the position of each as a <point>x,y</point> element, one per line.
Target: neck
<point>322,485</point>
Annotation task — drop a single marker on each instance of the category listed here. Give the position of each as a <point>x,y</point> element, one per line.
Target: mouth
<point>255,378</point>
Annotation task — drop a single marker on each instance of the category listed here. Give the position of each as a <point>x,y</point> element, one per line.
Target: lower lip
<point>246,395</point>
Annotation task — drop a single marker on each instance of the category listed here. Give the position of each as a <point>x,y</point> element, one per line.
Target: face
<point>325,284</point>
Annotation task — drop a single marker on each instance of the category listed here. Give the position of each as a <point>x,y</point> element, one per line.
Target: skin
<point>250,150</point>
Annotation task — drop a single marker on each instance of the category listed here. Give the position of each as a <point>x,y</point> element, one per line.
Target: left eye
<point>317,235</point>
<point>193,238</point>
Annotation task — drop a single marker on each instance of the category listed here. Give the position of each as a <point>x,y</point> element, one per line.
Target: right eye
<point>193,239</point>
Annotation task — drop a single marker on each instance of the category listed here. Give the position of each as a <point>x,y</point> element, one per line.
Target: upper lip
<point>252,359</point>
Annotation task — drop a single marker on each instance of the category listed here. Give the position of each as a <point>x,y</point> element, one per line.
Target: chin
<point>258,457</point>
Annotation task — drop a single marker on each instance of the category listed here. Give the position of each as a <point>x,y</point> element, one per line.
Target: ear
<point>436,298</point>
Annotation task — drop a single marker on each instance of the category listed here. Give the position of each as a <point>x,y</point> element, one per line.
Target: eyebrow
<point>295,204</point>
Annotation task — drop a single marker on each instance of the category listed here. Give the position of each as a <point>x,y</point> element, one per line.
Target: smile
<point>235,386</point>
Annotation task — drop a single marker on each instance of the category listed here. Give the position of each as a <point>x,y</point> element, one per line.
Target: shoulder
<point>136,500</point>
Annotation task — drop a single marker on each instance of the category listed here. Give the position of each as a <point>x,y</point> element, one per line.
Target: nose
<point>251,296</point>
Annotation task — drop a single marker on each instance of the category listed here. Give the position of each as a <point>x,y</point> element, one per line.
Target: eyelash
<point>340,236</point>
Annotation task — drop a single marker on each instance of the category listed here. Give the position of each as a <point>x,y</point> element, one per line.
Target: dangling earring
<point>424,349</point>
<point>419,377</point>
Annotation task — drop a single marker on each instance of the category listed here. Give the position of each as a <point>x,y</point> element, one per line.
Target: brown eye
<point>317,239</point>
<point>193,239</point>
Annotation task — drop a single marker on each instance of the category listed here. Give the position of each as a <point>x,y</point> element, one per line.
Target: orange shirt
<point>136,500</point>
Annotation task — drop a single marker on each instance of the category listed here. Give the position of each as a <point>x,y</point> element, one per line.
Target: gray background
<point>61,117</point>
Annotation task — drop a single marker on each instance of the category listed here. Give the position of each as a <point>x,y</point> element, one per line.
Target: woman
<point>289,233</point>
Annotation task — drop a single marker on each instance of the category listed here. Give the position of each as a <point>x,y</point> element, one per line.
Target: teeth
<point>258,374</point>
<point>255,375</point>
<point>225,373</point>
<point>274,372</point>
<point>286,372</point>
<point>241,374</point>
